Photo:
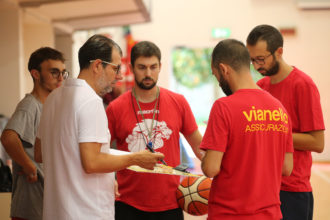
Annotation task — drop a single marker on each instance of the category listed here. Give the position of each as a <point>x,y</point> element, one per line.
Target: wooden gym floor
<point>321,189</point>
<point>320,181</point>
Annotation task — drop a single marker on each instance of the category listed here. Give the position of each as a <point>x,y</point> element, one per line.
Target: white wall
<point>189,23</point>
<point>21,34</point>
<point>175,23</point>
<point>10,57</point>
<point>64,43</point>
<point>35,35</point>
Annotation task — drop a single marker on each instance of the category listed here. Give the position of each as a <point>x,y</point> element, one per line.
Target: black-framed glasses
<point>260,60</point>
<point>117,66</point>
<point>56,73</point>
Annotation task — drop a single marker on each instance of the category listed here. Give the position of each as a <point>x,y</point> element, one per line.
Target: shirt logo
<point>151,111</point>
<point>137,140</point>
<point>266,120</point>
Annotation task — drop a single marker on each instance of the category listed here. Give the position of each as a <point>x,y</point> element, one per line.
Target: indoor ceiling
<point>71,15</point>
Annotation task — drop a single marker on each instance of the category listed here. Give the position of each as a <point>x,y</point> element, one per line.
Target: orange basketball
<point>193,194</point>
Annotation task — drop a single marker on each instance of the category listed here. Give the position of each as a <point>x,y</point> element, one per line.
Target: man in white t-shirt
<point>73,137</point>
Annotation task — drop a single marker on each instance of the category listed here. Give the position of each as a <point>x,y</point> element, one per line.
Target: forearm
<point>311,141</point>
<point>94,161</point>
<point>37,151</point>
<point>14,148</point>
<point>198,152</point>
<point>211,163</point>
<point>194,141</point>
<point>287,164</point>
<point>208,169</point>
<point>105,163</point>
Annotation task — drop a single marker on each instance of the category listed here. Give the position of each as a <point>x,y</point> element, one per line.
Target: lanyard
<point>145,123</point>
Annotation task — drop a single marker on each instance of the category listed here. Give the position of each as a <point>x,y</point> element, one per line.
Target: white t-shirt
<point>74,114</point>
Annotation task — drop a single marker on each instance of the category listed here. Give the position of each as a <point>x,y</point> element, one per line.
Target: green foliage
<point>192,67</point>
<point>255,74</point>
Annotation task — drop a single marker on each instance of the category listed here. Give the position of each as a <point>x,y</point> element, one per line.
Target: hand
<point>31,178</point>
<point>30,171</point>
<point>202,153</point>
<point>146,159</point>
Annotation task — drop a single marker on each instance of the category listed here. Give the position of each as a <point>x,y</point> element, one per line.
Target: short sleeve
<point>309,107</point>
<point>23,123</point>
<point>111,121</point>
<point>92,122</point>
<point>217,131</point>
<point>189,124</point>
<point>262,83</point>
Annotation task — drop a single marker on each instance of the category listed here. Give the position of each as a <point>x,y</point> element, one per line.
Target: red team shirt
<point>253,130</point>
<point>150,192</point>
<point>301,98</point>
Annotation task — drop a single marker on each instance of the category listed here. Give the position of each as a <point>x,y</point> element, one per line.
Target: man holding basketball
<point>248,142</point>
<point>300,96</point>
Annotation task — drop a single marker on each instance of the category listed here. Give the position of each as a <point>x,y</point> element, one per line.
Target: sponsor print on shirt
<point>137,140</point>
<point>266,120</point>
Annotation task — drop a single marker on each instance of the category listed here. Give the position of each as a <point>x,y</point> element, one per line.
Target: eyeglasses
<point>260,60</point>
<point>56,73</point>
<point>117,66</point>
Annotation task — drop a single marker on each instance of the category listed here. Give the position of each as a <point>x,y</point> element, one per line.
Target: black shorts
<point>297,205</point>
<point>127,212</point>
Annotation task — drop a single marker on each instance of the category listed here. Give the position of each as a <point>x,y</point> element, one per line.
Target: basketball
<point>193,194</point>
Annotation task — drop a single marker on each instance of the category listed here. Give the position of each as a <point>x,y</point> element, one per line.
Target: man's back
<point>253,130</point>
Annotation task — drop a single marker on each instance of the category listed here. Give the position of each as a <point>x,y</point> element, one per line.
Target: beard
<point>225,86</point>
<point>272,71</point>
<point>141,85</point>
<point>43,84</point>
<point>104,86</point>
